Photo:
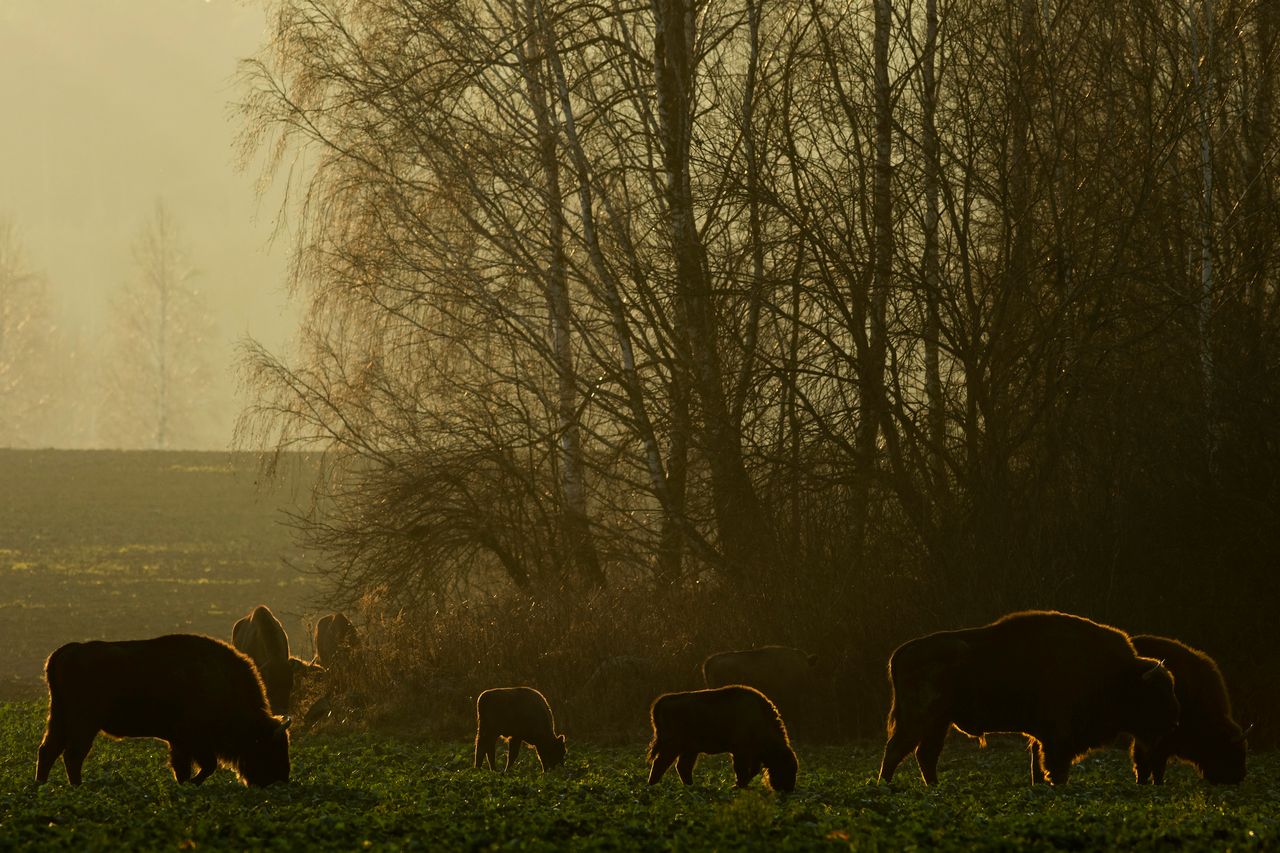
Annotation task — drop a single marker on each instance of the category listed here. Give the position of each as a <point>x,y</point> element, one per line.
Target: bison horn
<point>284,725</point>
<point>1244,734</point>
<point>1149,674</point>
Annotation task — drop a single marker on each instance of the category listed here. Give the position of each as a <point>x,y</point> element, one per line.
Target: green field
<point>116,545</point>
<point>358,791</point>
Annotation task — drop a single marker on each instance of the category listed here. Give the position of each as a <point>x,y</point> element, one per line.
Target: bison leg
<point>1148,763</point>
<point>1037,761</point>
<point>513,751</point>
<point>684,766</point>
<point>54,742</point>
<point>745,769</point>
<point>180,761</point>
<point>486,749</point>
<point>1057,764</point>
<point>1157,765</point>
<point>661,762</point>
<point>208,762</point>
<point>77,750</point>
<point>927,752</point>
<point>902,740</point>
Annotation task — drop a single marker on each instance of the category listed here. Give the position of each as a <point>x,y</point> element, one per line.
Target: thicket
<point>638,332</point>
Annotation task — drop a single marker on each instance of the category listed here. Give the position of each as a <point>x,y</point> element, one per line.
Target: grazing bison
<point>335,640</point>
<point>522,715</point>
<point>784,674</point>
<point>738,720</point>
<point>197,693</point>
<point>261,636</point>
<point>1206,735</point>
<point>1066,682</point>
<point>769,669</point>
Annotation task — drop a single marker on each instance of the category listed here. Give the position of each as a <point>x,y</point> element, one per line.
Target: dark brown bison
<point>522,715</point>
<point>1068,683</point>
<point>738,720</point>
<point>335,640</point>
<point>769,669</point>
<point>786,675</point>
<point>261,636</point>
<point>1206,735</point>
<point>197,693</point>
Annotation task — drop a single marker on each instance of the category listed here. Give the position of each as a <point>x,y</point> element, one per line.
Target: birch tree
<point>159,376</point>
<point>30,360</point>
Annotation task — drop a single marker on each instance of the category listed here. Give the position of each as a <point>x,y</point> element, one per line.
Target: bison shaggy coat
<point>1206,735</point>
<point>336,640</point>
<point>522,715</point>
<point>261,636</point>
<point>1068,683</point>
<point>769,669</point>
<point>739,720</point>
<point>197,693</point>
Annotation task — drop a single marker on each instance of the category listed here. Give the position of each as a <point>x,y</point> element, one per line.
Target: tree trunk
<point>937,410</point>
<point>871,360</point>
<point>745,539</point>
<point>1202,80</point>
<point>579,542</point>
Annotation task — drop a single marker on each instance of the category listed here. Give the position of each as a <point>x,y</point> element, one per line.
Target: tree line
<point>893,313</point>
<point>143,378</point>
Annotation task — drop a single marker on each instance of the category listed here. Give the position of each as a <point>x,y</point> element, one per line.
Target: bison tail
<point>55,666</point>
<point>656,715</point>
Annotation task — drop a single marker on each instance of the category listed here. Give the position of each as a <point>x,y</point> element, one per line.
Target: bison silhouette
<point>197,693</point>
<point>522,715</point>
<point>1206,736</point>
<point>737,719</point>
<point>1068,683</point>
<point>336,640</point>
<point>261,636</point>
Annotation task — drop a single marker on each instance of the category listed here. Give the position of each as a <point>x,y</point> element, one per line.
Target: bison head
<point>780,771</point>
<point>553,755</point>
<point>265,759</point>
<point>1150,707</point>
<point>1221,758</point>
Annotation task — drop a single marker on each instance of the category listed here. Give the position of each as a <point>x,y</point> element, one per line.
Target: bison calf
<point>739,720</point>
<point>1206,735</point>
<point>1068,683</point>
<point>522,715</point>
<point>198,694</point>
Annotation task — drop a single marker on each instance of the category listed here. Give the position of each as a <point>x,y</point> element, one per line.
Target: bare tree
<point>892,298</point>
<point>31,364</point>
<point>159,379</point>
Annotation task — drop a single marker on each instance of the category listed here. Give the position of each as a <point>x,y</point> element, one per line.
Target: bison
<point>261,636</point>
<point>784,674</point>
<point>197,693</point>
<point>1068,683</point>
<point>739,720</point>
<point>1206,735</point>
<point>769,669</point>
<point>522,715</point>
<point>335,640</point>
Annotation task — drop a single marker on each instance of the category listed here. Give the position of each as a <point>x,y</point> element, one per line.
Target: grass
<point>375,791</point>
<point>115,545</point>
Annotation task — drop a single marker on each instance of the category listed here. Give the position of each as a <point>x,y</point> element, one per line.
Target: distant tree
<point>28,351</point>
<point>157,375</point>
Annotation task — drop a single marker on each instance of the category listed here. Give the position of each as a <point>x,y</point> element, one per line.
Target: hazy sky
<point>108,105</point>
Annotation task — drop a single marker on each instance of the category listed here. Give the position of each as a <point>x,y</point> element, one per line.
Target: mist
<point>110,110</point>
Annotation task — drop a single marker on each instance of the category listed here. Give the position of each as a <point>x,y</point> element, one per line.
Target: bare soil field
<point>127,544</point>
